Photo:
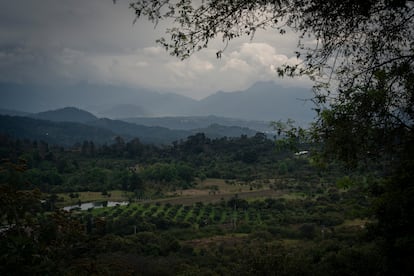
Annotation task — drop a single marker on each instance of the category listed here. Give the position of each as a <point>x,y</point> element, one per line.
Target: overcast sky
<point>71,41</point>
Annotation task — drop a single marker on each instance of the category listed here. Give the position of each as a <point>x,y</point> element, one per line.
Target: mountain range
<point>197,122</point>
<point>71,125</point>
<point>264,101</point>
<point>105,111</point>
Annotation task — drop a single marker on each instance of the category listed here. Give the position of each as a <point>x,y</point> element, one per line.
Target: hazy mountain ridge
<point>67,114</point>
<point>10,112</point>
<point>102,130</point>
<point>147,134</point>
<point>198,122</point>
<point>152,135</point>
<point>123,111</point>
<point>95,98</point>
<point>59,133</point>
<point>263,101</point>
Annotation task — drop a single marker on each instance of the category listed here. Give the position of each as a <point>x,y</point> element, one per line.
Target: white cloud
<point>262,55</point>
<point>236,64</point>
<point>152,51</point>
<point>200,66</point>
<point>197,77</point>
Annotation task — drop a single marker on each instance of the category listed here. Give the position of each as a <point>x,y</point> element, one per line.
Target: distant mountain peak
<point>264,100</point>
<point>66,114</point>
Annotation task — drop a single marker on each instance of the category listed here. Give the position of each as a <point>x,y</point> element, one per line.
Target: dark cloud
<point>70,41</point>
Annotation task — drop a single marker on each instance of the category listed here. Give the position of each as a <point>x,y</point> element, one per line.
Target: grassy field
<point>207,191</point>
<point>214,190</point>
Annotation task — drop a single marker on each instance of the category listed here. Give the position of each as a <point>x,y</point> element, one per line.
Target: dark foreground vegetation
<point>272,212</point>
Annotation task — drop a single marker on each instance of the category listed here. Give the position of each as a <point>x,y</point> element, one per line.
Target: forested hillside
<point>64,128</point>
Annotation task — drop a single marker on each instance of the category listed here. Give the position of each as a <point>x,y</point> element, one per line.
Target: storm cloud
<point>64,42</point>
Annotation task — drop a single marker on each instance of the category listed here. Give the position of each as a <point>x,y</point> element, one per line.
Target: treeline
<point>137,167</point>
